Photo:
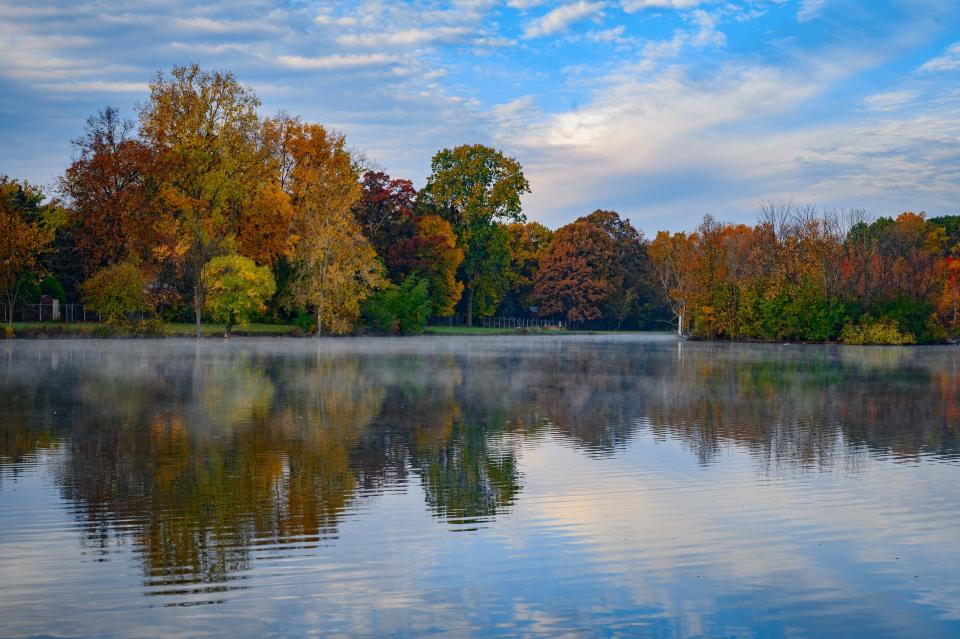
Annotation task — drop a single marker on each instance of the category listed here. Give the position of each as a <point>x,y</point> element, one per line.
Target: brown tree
<point>336,266</point>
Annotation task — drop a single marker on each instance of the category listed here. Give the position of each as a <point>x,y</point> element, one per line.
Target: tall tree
<point>108,189</point>
<point>207,134</point>
<point>476,187</point>
<point>337,268</point>
<point>527,246</point>
<point>670,255</point>
<point>575,276</point>
<point>385,210</point>
<point>26,231</point>
<point>436,258</point>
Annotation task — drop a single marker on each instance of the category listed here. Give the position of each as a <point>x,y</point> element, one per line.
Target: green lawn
<point>217,329</point>
<point>481,330</point>
<point>53,329</point>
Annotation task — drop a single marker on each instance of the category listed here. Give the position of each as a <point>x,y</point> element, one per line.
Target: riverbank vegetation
<point>204,209</point>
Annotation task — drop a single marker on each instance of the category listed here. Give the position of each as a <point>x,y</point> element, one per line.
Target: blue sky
<point>661,109</point>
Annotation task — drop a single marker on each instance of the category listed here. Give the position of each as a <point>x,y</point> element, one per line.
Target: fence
<point>69,313</point>
<point>497,322</point>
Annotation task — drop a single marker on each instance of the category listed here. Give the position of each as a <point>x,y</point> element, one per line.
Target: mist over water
<point>585,485</point>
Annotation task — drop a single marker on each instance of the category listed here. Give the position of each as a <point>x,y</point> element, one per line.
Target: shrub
<point>51,286</point>
<point>400,309</point>
<point>306,322</point>
<point>116,291</point>
<point>871,331</point>
<point>237,289</point>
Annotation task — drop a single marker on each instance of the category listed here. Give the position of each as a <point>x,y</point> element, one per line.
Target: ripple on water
<point>499,486</point>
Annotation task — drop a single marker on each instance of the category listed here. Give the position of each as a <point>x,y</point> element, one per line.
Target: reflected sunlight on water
<point>620,485</point>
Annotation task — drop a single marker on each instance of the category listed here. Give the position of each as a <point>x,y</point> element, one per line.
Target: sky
<point>663,110</point>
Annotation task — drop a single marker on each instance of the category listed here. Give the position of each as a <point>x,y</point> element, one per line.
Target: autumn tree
<point>109,189</point>
<point>207,135</point>
<point>237,289</point>
<point>26,231</point>
<point>435,257</point>
<point>630,270</point>
<point>116,291</point>
<point>410,239</point>
<point>475,188</point>
<point>595,268</point>
<point>574,279</point>
<point>337,268</point>
<point>670,257</point>
<point>527,245</point>
<point>385,210</point>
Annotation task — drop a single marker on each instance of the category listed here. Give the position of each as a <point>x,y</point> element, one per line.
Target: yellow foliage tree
<point>215,172</point>
<point>336,266</point>
<point>22,239</point>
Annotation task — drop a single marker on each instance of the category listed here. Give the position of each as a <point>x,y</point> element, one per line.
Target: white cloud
<point>632,6</point>
<point>337,61</point>
<point>607,36</point>
<point>561,18</point>
<point>406,37</point>
<point>888,101</point>
<point>707,34</point>
<point>95,86</point>
<point>948,61</point>
<point>810,9</point>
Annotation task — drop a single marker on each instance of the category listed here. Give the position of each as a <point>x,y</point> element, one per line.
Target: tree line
<point>806,274</point>
<point>205,209</point>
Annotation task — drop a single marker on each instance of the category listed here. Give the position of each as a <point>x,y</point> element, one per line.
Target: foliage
<point>204,175</point>
<point>436,259</point>
<point>51,286</point>
<point>237,289</point>
<point>385,211</point>
<point>402,309</point>
<point>574,277</point>
<point>116,291</point>
<point>205,130</point>
<point>475,187</point>
<point>109,189</point>
<point>797,275</point>
<point>595,268</point>
<point>875,331</point>
<point>25,235</point>
<point>336,266</point>
<point>527,244</point>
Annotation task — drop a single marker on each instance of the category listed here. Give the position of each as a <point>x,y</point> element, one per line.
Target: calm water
<point>516,486</point>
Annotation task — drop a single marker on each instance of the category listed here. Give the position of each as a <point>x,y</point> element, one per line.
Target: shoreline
<point>81,331</point>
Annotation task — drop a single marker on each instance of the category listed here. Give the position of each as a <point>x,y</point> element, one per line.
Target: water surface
<point>478,486</point>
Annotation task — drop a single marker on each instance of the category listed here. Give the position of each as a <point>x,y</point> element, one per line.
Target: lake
<point>559,485</point>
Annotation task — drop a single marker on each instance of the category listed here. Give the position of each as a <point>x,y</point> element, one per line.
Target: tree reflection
<point>204,458</point>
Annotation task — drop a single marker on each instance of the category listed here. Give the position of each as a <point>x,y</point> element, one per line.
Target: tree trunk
<point>197,307</point>
<point>320,317</point>
<point>470,306</point>
<point>680,325</point>
<point>11,300</point>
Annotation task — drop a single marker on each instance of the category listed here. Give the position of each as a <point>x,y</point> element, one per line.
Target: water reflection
<point>202,458</point>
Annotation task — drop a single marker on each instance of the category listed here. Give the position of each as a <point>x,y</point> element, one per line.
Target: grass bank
<point>96,329</point>
<point>483,330</point>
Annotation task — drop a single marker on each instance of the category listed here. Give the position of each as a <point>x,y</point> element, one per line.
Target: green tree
<point>116,291</point>
<point>237,289</point>
<point>401,309</point>
<point>475,188</point>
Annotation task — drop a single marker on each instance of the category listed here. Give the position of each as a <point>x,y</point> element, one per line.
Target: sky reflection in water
<point>586,485</point>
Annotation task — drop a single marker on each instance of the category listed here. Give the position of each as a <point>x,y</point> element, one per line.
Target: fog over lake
<point>624,485</point>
